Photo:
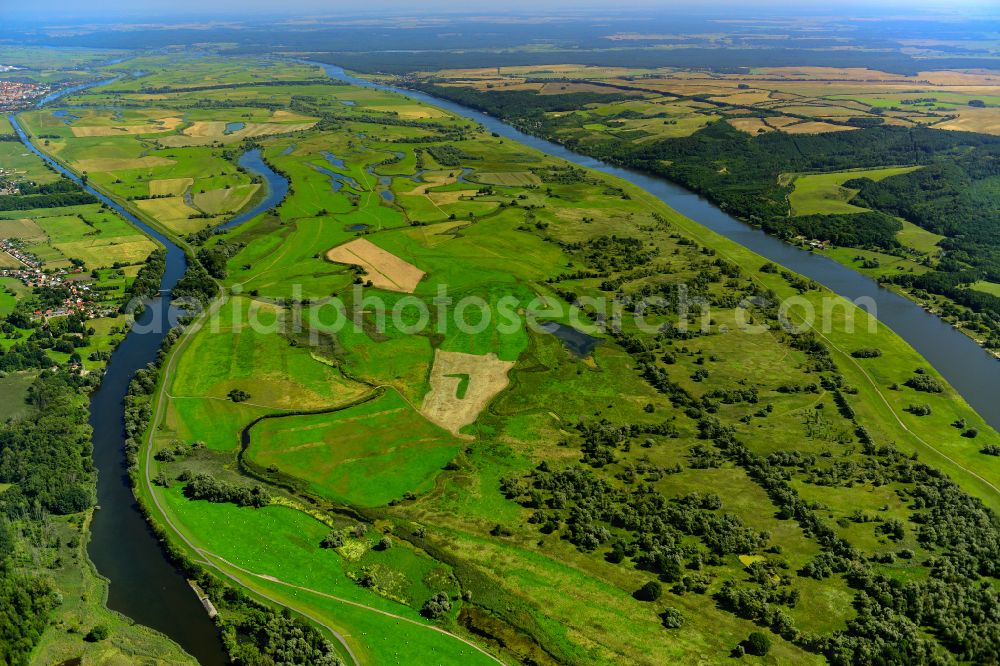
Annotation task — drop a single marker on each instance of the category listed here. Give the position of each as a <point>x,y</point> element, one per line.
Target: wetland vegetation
<point>438,397</point>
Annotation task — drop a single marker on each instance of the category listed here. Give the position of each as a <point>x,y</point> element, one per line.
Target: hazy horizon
<point>53,11</point>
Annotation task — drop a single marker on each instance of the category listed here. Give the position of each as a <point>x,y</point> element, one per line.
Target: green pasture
<point>292,555</point>
<point>364,456</point>
<point>824,193</point>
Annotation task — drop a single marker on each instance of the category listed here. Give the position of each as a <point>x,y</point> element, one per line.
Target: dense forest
<point>954,194</point>
<point>46,455</point>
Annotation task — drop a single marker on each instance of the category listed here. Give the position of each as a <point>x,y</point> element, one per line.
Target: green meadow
<point>344,426</point>
<point>824,193</point>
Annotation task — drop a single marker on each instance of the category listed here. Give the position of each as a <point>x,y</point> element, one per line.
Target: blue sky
<point>133,9</point>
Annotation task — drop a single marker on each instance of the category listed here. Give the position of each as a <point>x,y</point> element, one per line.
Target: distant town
<point>16,95</point>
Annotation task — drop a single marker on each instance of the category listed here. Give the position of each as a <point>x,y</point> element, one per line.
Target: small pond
<point>578,342</point>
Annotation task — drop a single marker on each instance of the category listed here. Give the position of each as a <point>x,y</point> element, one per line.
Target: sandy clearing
<point>487,376</point>
<point>384,269</point>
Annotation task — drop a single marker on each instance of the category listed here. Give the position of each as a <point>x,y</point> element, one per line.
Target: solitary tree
<point>651,591</point>
<point>758,643</point>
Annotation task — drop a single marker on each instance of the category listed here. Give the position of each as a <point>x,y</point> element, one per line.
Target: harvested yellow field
<point>161,125</point>
<point>216,130</point>
<point>283,115</point>
<point>827,73</point>
<point>99,164</point>
<point>169,186</point>
<point>23,228</point>
<point>384,269</point>
<point>99,253</point>
<point>166,209</point>
<point>816,128</point>
<point>207,128</point>
<point>432,179</point>
<point>7,261</point>
<point>444,198</point>
<point>747,97</point>
<point>781,121</point>
<point>971,77</point>
<point>215,202</point>
<point>413,111</point>
<point>561,88</point>
<point>461,386</point>
<point>750,125</point>
<point>974,120</point>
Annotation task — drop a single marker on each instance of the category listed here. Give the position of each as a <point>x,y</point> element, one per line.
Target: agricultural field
<point>61,247</point>
<point>802,100</point>
<point>776,147</point>
<point>367,425</point>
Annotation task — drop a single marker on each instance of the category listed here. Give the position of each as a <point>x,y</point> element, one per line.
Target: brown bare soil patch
<point>481,377</point>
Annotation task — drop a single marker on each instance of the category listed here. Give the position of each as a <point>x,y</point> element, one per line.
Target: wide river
<point>144,584</point>
<point>148,588</point>
<point>970,369</point>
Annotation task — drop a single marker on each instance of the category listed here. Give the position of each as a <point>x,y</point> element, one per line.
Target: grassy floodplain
<point>464,509</point>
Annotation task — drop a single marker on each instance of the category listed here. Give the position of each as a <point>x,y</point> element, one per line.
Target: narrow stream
<point>968,367</point>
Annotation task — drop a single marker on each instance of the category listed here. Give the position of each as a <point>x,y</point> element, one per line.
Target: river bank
<point>967,366</point>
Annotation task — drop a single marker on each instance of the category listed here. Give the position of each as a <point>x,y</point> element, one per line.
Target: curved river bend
<point>144,584</point>
<point>148,588</point>
<point>968,367</point>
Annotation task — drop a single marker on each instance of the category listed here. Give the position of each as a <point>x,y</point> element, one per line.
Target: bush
<point>651,591</point>
<point>98,633</point>
<point>758,643</point>
<point>672,618</point>
<point>437,606</point>
<point>238,395</point>
<point>924,383</point>
<point>867,352</point>
<point>334,539</point>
